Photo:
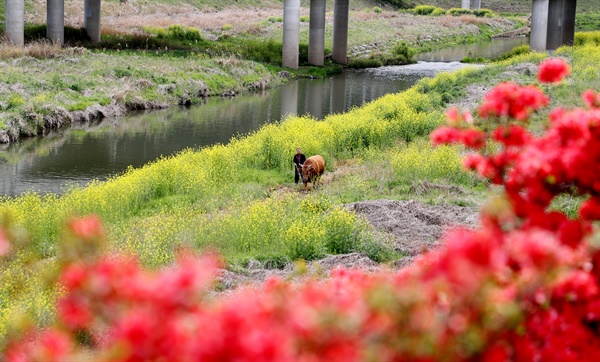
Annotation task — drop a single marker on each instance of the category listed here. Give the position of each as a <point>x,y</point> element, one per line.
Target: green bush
<point>275,19</point>
<point>304,19</point>
<point>226,27</point>
<point>402,49</point>
<point>523,49</point>
<point>377,10</point>
<point>361,63</point>
<point>458,12</point>
<point>184,33</point>
<point>484,13</point>
<point>424,9</point>
<point>587,38</point>
<point>438,12</point>
<point>472,60</point>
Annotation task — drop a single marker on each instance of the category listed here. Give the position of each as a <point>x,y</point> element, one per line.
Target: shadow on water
<point>86,152</point>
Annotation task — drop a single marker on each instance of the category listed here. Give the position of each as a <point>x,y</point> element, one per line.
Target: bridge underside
<point>55,20</point>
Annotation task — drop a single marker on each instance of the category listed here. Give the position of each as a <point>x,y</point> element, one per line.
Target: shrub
<point>275,19</point>
<point>472,60</point>
<point>438,12</point>
<point>424,9</point>
<point>484,13</point>
<point>377,10</point>
<point>402,52</point>
<point>361,63</point>
<point>226,27</point>
<point>459,12</point>
<point>184,33</point>
<point>304,18</point>
<point>587,38</point>
<point>522,49</point>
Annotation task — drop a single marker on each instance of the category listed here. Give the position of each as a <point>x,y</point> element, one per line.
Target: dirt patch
<point>520,73</point>
<point>255,274</point>
<point>414,227</point>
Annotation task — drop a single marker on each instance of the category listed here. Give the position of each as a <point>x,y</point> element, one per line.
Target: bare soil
<point>413,226</point>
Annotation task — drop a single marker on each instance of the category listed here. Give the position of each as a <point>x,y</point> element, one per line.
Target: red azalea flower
<point>513,101</point>
<point>445,135</point>
<point>56,346</point>
<point>591,98</point>
<point>4,244</point>
<point>512,135</point>
<point>473,138</point>
<point>74,312</point>
<point>86,227</point>
<point>553,70</point>
<point>590,209</point>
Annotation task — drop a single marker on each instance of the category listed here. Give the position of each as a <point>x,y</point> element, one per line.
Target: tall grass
<point>587,38</point>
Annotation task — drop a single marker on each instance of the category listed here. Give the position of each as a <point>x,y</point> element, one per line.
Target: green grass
<point>587,22</point>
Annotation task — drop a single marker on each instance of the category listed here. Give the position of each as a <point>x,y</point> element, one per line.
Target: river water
<point>487,49</point>
<point>82,153</point>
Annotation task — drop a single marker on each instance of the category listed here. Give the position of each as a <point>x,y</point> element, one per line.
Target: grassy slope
<point>522,6</point>
<point>74,82</point>
<point>587,18</point>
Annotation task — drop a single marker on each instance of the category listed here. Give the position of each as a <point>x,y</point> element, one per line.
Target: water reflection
<point>488,49</point>
<point>98,150</point>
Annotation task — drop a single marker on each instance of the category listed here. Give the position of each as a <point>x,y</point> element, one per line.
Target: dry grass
<point>42,49</point>
<point>231,60</point>
<point>370,15</point>
<point>472,19</point>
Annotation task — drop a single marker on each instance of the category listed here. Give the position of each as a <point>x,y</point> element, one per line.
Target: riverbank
<point>74,84</point>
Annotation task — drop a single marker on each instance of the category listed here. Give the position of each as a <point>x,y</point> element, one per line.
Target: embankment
<point>76,85</point>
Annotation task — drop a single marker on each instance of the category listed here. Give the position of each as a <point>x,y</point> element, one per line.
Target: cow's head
<point>306,171</point>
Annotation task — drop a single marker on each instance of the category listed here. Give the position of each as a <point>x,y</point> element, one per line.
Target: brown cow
<point>312,169</point>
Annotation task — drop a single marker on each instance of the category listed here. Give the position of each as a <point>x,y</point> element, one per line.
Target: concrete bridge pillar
<point>552,24</point>
<point>466,4</point>
<point>340,31</point>
<point>91,19</point>
<point>539,25</point>
<point>555,24</point>
<point>476,4</point>
<point>570,6</point>
<point>15,21</point>
<point>291,33</point>
<point>55,21</point>
<point>316,36</point>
